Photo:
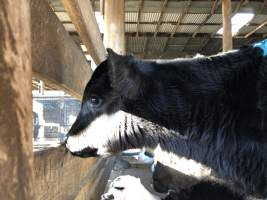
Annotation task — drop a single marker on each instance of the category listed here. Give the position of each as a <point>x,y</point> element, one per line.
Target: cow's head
<point>130,103</point>
<point>123,107</point>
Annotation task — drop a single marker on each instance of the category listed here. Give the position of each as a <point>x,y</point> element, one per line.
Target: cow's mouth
<point>87,152</point>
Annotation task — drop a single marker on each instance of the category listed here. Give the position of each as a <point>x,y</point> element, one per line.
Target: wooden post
<point>16,158</point>
<point>83,17</point>
<point>227,28</point>
<point>114,36</point>
<point>56,59</point>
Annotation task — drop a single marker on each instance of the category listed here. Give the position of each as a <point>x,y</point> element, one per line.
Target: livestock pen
<point>53,45</point>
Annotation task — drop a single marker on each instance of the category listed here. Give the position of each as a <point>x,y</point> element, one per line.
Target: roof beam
<point>204,44</point>
<point>178,23</point>
<point>83,17</point>
<point>258,35</point>
<point>257,28</point>
<point>215,6</point>
<point>186,44</point>
<point>56,59</point>
<point>140,7</point>
<point>264,4</point>
<point>181,17</point>
<point>163,7</point>
<point>145,46</point>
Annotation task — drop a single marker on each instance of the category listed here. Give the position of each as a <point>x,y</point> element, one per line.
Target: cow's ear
<point>127,78</point>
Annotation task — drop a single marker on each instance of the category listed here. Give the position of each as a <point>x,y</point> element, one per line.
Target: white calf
<point>128,188</point>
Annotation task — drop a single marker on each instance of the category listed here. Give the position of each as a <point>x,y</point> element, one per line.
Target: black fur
<point>214,108</point>
<point>205,190</point>
<point>166,178</point>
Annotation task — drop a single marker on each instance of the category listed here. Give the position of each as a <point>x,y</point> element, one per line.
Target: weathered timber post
<point>227,30</point>
<point>16,173</point>
<point>114,36</point>
<point>83,17</point>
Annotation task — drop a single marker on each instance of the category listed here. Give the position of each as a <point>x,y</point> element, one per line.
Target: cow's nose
<point>107,197</point>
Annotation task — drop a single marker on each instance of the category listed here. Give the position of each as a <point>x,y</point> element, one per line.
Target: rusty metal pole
<point>227,28</point>
<point>16,157</point>
<point>114,36</point>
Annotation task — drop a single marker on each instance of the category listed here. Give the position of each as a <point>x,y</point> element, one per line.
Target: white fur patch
<point>105,129</point>
<point>128,188</point>
<point>182,164</point>
<point>97,133</point>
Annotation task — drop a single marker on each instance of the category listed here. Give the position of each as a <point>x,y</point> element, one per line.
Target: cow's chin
<point>91,152</point>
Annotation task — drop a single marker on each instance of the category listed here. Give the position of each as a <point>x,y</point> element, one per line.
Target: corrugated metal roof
<point>151,6</point>
<point>178,41</point>
<point>258,19</point>
<point>136,44</point>
<point>199,10</point>
<point>246,29</point>
<point>156,44</point>
<point>130,28</point>
<point>215,19</point>
<point>194,18</point>
<point>240,42</point>
<point>251,6</point>
<point>209,29</point>
<point>171,17</point>
<point>176,6</point>
<point>149,28</point>
<point>196,41</point>
<point>131,16</point>
<point>193,48</point>
<point>131,6</point>
<point>197,13</point>
<point>175,48</point>
<point>149,17</point>
<point>166,28</point>
<point>187,28</point>
<point>262,30</point>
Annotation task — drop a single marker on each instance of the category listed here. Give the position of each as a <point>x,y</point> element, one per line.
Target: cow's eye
<point>95,101</point>
<point>119,188</point>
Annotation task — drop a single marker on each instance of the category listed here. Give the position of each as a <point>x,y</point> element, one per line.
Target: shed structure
<point>44,40</point>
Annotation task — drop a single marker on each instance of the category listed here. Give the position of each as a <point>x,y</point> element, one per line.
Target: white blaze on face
<point>98,133</point>
<point>105,128</point>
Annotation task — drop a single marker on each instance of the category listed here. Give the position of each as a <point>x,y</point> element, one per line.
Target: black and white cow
<point>211,109</point>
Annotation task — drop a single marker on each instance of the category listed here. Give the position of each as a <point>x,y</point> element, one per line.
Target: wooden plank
<point>227,28</point>
<point>212,11</point>
<point>185,11</point>
<point>114,36</point>
<point>83,17</point>
<point>163,7</point>
<point>140,7</point>
<point>16,158</point>
<point>56,59</point>
<point>61,176</point>
<point>257,28</point>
